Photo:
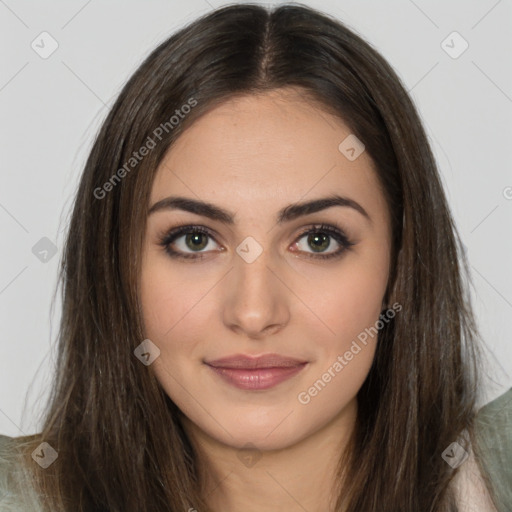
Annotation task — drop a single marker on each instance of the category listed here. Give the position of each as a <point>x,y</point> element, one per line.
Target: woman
<point>263,296</point>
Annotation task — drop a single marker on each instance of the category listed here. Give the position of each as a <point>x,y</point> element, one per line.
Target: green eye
<point>319,239</point>
<point>197,238</point>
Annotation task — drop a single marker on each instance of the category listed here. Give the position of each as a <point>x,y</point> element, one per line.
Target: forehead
<point>269,148</point>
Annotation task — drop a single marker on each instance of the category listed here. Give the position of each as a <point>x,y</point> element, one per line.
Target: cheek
<point>349,306</point>
<point>168,298</point>
<point>168,312</point>
<point>156,302</point>
<point>348,299</point>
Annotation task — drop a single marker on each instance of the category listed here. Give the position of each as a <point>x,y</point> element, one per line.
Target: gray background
<point>51,109</point>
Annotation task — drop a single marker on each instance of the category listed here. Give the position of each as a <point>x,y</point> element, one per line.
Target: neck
<point>299,477</point>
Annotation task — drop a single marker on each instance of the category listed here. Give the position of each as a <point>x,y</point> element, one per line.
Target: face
<point>251,276</point>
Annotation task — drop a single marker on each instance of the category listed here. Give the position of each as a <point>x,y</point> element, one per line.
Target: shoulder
<point>493,447</point>
<point>470,487</point>
<point>15,488</point>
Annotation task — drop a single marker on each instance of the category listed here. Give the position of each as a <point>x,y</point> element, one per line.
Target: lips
<point>242,361</point>
<point>256,373</point>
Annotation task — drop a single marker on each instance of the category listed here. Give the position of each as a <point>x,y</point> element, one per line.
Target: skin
<point>254,155</point>
<point>471,492</point>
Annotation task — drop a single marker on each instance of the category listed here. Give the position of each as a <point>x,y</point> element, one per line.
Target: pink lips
<point>254,373</point>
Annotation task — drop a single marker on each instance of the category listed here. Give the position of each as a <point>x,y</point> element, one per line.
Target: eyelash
<point>167,238</point>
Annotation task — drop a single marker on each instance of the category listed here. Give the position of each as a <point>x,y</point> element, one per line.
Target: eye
<point>319,238</point>
<point>195,239</point>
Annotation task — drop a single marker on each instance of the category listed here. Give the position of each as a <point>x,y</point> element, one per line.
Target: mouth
<point>256,373</point>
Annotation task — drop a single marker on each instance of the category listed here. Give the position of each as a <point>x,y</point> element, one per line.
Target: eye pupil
<point>194,239</point>
<point>315,237</point>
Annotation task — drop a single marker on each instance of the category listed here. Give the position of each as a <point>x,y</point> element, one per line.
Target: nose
<point>256,298</point>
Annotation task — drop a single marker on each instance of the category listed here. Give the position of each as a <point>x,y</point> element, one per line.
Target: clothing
<point>494,446</point>
<point>16,492</point>
<point>493,430</point>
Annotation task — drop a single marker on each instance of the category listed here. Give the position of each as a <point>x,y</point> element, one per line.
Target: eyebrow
<point>286,214</point>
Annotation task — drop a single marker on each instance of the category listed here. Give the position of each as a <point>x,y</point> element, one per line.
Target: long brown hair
<point>120,443</point>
